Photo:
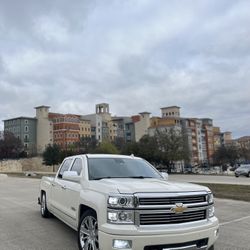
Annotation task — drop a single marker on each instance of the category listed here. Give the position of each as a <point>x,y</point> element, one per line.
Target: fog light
<point>122,244</point>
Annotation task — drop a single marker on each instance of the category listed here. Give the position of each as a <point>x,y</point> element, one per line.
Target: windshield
<point>100,168</point>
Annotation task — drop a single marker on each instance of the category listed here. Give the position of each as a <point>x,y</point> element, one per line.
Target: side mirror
<point>71,176</point>
<point>164,175</point>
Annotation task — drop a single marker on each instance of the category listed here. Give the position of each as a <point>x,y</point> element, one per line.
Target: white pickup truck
<point>123,202</point>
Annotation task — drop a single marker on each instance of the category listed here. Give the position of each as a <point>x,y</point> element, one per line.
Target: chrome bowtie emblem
<point>179,208</point>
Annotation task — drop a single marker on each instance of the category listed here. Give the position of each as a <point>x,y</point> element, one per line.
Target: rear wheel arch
<point>45,213</point>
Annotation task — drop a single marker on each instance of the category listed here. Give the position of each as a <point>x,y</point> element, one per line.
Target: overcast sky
<point>136,55</point>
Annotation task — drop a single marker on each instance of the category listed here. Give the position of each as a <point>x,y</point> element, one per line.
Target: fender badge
<point>178,209</point>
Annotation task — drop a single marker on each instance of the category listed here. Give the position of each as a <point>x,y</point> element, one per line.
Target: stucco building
<point>25,129</point>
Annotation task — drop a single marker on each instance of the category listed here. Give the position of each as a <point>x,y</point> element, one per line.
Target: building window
<point>26,138</point>
<point>26,121</point>
<point>26,128</point>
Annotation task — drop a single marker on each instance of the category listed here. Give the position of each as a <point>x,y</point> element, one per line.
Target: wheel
<point>88,231</point>
<point>44,210</point>
<point>237,176</point>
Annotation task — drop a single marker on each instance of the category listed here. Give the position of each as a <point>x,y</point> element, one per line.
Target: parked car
<point>243,170</point>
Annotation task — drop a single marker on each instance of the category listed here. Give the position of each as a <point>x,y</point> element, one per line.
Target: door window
<point>65,166</point>
<point>77,166</point>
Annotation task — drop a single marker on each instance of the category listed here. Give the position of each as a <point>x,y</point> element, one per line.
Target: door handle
<point>63,187</point>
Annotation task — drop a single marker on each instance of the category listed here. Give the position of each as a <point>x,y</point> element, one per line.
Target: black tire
<point>43,209</point>
<point>236,176</point>
<point>88,231</point>
<point>248,175</point>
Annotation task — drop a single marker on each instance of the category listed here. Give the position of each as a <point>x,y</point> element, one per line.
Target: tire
<point>236,176</point>
<point>43,209</point>
<point>88,231</point>
<point>248,175</point>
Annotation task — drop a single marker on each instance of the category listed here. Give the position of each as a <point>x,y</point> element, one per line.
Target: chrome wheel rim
<point>89,234</point>
<point>43,204</point>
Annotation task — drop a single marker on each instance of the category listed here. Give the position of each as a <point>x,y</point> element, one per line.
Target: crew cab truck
<point>123,202</point>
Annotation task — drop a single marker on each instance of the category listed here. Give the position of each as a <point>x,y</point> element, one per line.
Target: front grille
<point>156,201</point>
<point>171,218</point>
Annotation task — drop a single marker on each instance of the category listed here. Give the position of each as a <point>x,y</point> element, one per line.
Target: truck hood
<point>130,186</point>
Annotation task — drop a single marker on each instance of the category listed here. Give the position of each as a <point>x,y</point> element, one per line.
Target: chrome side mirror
<point>164,175</point>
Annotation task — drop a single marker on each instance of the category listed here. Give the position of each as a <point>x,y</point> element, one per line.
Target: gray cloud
<point>135,55</point>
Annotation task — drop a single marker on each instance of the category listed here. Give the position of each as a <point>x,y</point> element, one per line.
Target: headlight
<point>121,216</point>
<point>124,201</point>
<point>210,198</point>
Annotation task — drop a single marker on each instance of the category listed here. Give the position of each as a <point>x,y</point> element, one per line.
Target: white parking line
<point>236,220</point>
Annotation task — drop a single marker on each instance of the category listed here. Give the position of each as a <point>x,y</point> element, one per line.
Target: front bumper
<point>184,239</point>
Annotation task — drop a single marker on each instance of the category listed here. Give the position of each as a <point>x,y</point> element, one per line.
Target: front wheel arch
<point>87,233</point>
<point>83,209</point>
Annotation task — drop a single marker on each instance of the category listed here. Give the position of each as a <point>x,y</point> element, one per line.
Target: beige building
<point>85,128</point>
<point>227,138</point>
<point>141,124</point>
<point>243,142</point>
<point>44,128</point>
<point>217,138</point>
<point>171,111</point>
<point>112,127</point>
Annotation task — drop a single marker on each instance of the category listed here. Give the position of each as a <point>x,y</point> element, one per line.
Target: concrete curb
<point>2,176</point>
<point>29,174</point>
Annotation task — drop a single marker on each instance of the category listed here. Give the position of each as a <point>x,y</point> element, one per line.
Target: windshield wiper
<point>107,177</point>
<point>138,177</point>
<point>133,177</point>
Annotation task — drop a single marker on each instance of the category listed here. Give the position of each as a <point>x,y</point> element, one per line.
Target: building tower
<point>102,109</point>
<point>172,111</point>
<point>44,128</point>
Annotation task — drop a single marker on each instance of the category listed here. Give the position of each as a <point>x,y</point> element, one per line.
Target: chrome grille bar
<point>169,218</point>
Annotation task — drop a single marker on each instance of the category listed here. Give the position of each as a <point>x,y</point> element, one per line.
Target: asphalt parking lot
<point>22,228</point>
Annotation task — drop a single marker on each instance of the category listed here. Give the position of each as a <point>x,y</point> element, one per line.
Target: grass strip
<point>229,191</point>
